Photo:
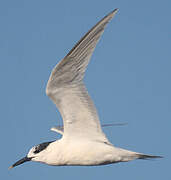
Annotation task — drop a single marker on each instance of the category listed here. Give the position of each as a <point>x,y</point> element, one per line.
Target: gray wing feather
<point>72,68</point>
<point>60,129</point>
<point>67,91</point>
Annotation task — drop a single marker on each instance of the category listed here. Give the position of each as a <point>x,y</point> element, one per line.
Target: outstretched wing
<point>60,129</point>
<point>66,89</point>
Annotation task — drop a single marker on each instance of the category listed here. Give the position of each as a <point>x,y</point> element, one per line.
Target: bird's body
<point>83,153</point>
<point>83,141</point>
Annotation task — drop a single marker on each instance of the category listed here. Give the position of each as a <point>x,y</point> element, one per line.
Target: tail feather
<point>127,155</point>
<point>145,156</point>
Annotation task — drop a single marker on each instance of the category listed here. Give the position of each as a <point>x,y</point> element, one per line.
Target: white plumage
<point>83,141</point>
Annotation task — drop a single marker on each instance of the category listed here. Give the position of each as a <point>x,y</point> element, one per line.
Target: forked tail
<point>146,157</point>
<point>127,155</point>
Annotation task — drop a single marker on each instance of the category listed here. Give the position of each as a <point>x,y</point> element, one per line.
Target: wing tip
<point>110,15</point>
<point>114,11</point>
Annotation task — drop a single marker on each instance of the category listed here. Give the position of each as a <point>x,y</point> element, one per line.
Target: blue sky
<point>128,78</point>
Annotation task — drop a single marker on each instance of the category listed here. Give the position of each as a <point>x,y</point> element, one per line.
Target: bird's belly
<point>86,154</point>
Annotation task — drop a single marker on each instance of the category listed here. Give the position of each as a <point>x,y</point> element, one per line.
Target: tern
<point>83,142</point>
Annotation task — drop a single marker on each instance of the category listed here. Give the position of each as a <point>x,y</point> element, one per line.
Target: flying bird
<point>83,142</point>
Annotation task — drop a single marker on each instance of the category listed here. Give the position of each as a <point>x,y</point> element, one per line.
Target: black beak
<point>21,161</point>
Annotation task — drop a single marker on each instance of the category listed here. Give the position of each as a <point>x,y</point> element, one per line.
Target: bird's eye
<point>37,150</point>
<point>41,147</point>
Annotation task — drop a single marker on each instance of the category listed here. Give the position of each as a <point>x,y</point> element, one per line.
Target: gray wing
<point>66,89</point>
<point>60,129</point>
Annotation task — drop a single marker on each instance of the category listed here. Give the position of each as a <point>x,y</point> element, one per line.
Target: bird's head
<point>35,154</point>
